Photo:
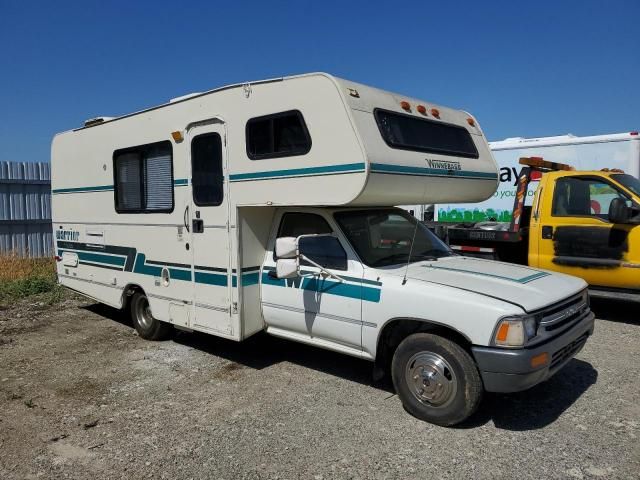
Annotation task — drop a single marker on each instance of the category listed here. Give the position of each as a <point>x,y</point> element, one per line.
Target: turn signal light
<point>510,333</point>
<point>177,136</point>
<point>405,105</point>
<point>540,359</point>
<point>503,331</point>
<point>435,112</point>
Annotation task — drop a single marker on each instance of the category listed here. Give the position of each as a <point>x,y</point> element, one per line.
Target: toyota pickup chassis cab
<point>267,206</point>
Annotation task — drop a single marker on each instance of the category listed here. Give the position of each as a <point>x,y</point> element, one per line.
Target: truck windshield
<point>626,180</point>
<point>383,237</point>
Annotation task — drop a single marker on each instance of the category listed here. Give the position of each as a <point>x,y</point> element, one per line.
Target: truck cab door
<point>575,235</point>
<point>314,306</point>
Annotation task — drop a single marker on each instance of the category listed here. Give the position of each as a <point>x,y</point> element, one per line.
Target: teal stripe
<point>219,279</point>
<point>526,279</point>
<point>178,182</point>
<point>344,277</point>
<point>298,172</point>
<point>97,188</point>
<point>328,287</point>
<point>141,267</point>
<point>432,172</point>
<point>533,277</point>
<point>97,257</point>
<point>251,278</point>
<point>179,274</point>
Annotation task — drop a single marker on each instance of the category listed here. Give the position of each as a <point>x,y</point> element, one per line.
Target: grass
<point>23,277</point>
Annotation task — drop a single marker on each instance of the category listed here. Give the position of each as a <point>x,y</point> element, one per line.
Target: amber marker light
<point>435,112</point>
<point>422,109</point>
<point>471,122</point>
<point>540,360</point>
<point>405,105</point>
<point>502,332</point>
<point>177,136</point>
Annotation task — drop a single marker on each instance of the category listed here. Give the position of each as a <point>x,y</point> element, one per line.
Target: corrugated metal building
<point>25,208</point>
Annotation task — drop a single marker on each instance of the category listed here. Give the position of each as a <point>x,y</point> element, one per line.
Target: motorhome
<point>266,206</point>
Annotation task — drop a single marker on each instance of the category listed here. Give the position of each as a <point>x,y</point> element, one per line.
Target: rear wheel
<point>436,379</point>
<point>143,321</point>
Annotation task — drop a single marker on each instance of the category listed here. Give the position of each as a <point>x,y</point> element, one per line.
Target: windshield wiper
<point>389,260</point>
<point>436,253</point>
<point>420,258</point>
<point>401,258</point>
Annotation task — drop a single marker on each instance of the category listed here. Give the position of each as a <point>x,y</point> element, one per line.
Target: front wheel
<point>147,327</point>
<point>436,379</point>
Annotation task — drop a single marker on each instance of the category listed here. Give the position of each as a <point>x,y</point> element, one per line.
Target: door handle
<point>185,217</point>
<point>547,232</point>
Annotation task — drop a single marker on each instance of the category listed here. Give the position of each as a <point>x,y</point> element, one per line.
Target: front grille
<point>568,351</point>
<point>563,313</point>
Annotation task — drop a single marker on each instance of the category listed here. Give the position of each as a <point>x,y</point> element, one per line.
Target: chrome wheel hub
<point>145,319</point>
<point>431,379</point>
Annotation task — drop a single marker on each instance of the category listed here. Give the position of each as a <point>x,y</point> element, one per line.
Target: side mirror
<point>286,247</point>
<point>619,212</point>
<point>287,267</point>
<point>287,263</point>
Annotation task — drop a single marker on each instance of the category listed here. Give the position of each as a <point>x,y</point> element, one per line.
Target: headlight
<point>515,331</point>
<point>585,297</point>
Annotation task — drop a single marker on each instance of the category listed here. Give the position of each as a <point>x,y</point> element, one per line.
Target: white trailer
<point>174,212</point>
<point>618,150</point>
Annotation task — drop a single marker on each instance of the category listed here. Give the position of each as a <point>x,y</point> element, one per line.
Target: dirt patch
<point>229,371</point>
<point>82,396</point>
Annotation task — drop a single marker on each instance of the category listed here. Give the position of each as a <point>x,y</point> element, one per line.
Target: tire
<point>454,389</point>
<point>147,327</point>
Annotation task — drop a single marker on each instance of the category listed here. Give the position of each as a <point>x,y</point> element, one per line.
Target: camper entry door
<point>208,220</point>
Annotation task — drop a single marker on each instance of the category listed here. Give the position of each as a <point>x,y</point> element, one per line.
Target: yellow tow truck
<point>583,223</point>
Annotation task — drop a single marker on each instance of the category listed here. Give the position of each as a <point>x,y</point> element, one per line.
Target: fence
<point>25,209</point>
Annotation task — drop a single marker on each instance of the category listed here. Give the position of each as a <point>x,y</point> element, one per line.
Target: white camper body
<point>174,212</point>
<point>348,164</point>
<point>618,150</point>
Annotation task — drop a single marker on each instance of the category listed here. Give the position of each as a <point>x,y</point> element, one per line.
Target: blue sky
<point>523,68</point>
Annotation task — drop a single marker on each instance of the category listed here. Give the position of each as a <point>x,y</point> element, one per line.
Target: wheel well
<point>128,292</point>
<point>398,329</point>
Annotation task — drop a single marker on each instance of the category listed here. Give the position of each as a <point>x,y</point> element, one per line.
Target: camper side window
<point>143,178</point>
<point>279,135</point>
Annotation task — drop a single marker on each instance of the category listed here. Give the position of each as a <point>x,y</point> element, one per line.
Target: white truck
<point>265,206</point>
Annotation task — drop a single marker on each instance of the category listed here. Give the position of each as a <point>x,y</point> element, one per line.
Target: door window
<point>325,251</point>
<point>580,197</point>
<point>206,167</point>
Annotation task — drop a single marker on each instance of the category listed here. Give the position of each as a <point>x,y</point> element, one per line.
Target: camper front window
<point>407,132</point>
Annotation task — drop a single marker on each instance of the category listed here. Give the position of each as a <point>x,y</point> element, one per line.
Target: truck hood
<point>529,288</point>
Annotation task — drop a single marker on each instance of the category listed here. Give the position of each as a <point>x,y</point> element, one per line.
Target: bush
<point>22,277</point>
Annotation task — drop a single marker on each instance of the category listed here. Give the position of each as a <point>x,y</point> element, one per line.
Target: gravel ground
<point>81,396</point>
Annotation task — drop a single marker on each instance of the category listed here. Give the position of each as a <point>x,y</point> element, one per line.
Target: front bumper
<point>505,370</point>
